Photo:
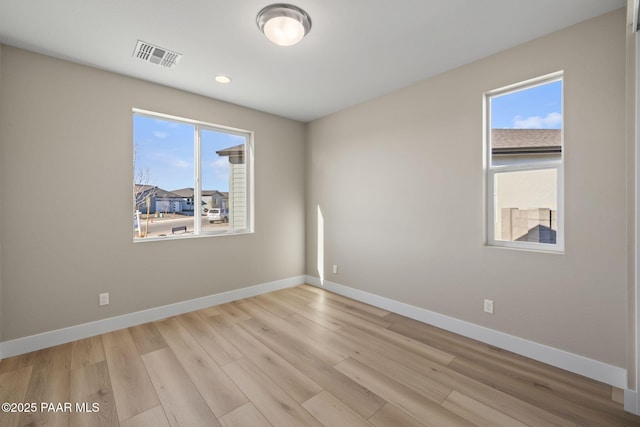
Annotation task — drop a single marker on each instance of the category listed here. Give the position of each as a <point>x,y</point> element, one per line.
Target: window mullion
<point>197,186</point>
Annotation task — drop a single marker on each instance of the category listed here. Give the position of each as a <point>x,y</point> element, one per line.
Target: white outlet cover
<point>488,306</point>
<point>104,299</point>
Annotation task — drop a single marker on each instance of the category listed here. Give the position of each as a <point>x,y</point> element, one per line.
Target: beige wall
<point>66,135</point>
<point>631,197</point>
<point>399,181</point>
<point>1,173</point>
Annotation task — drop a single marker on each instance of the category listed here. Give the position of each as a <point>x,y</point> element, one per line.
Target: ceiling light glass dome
<point>284,24</point>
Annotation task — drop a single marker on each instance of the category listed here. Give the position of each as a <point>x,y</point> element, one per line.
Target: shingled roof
<point>526,141</point>
<point>238,149</point>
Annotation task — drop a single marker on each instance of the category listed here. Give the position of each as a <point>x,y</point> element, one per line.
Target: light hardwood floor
<point>297,357</point>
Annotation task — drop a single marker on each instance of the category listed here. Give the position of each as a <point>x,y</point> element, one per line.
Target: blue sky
<point>539,107</point>
<point>166,150</point>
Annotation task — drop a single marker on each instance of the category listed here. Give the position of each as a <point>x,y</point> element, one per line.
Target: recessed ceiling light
<point>223,79</point>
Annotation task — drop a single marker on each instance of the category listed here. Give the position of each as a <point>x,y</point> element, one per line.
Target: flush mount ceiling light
<point>284,24</point>
<point>223,79</point>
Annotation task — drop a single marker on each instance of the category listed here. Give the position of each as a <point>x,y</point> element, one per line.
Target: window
<point>524,165</point>
<point>190,178</point>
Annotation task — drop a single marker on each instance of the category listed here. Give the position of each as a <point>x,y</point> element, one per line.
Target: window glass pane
<point>163,177</point>
<point>524,156</point>
<point>526,206</point>
<point>224,181</point>
<point>190,178</point>
<point>526,125</point>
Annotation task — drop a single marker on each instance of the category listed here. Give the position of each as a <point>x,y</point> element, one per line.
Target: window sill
<point>189,236</point>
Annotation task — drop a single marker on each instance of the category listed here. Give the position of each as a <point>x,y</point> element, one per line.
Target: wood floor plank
<point>370,322</point>
<point>221,350</point>
<point>583,415</point>
<point>286,376</point>
<point>91,385</point>
<point>272,305</point>
<point>245,416</point>
<point>478,413</point>
<point>147,338</point>
<point>313,315</point>
<point>358,309</point>
<point>276,405</point>
<point>220,393</point>
<point>377,311</point>
<point>181,401</point>
<point>410,345</point>
<point>461,346</point>
<point>357,397</point>
<point>301,299</point>
<point>393,352</point>
<point>17,362</point>
<point>13,388</point>
<point>392,391</point>
<point>130,381</point>
<point>49,383</point>
<point>86,352</point>
<point>429,387</point>
<point>446,377</point>
<point>332,412</point>
<point>284,327</point>
<point>209,311</point>
<point>392,416</point>
<point>154,417</point>
<point>233,312</point>
<point>321,335</point>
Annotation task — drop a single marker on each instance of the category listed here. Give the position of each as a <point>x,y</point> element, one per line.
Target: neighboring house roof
<point>238,149</point>
<point>526,141</point>
<point>144,190</point>
<point>164,194</point>
<point>211,193</point>
<point>188,193</point>
<point>184,192</point>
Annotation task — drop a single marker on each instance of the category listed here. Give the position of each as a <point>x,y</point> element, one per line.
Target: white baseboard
<point>581,365</point>
<point>631,402</point>
<point>61,336</point>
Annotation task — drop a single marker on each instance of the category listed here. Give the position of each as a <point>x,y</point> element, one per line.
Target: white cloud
<point>215,174</point>
<point>221,167</point>
<point>178,163</point>
<point>551,120</point>
<point>160,135</point>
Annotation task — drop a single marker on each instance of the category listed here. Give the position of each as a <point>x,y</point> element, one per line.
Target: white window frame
<point>197,189</point>
<point>491,171</point>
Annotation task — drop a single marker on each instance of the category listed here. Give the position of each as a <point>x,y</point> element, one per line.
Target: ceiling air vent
<point>156,55</point>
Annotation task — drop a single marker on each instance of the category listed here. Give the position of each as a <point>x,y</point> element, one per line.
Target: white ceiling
<point>356,50</point>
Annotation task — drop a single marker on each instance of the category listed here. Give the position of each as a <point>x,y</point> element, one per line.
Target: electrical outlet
<point>335,269</point>
<point>488,306</point>
<point>104,299</point>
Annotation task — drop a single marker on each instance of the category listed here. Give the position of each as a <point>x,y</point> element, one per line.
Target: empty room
<point>323,213</point>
